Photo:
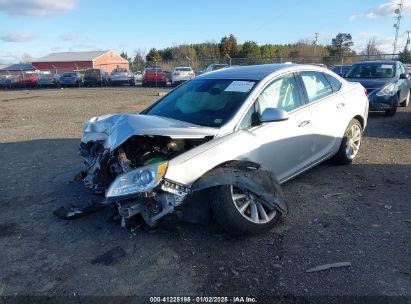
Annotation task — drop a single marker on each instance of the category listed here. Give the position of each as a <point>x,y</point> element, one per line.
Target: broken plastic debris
<point>329,266</point>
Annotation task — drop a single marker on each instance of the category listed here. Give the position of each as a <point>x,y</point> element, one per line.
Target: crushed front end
<point>132,175</point>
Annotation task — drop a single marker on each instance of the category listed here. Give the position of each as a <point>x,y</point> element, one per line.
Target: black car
<point>341,70</point>
<point>73,79</point>
<point>387,84</point>
<point>95,77</point>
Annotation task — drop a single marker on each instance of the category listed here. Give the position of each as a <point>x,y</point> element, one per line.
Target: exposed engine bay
<point>102,166</point>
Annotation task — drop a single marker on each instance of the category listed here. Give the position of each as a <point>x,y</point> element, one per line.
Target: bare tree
<point>26,58</point>
<point>371,49</point>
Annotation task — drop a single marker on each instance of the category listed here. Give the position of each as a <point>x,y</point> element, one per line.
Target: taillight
<point>366,92</point>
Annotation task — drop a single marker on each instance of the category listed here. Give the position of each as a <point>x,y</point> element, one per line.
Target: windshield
<point>153,70</point>
<point>69,74</point>
<point>371,70</point>
<point>219,66</point>
<point>183,69</point>
<point>204,102</point>
<point>92,73</point>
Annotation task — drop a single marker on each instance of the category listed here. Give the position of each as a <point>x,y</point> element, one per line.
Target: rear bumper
<point>120,81</point>
<point>69,82</point>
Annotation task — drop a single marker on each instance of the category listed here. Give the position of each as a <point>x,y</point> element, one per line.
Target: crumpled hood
<point>115,129</point>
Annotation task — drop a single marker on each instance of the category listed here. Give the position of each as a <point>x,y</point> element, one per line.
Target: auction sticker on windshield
<point>240,86</point>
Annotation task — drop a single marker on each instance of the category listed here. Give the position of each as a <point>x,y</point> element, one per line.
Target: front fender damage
<point>249,176</point>
<point>191,203</point>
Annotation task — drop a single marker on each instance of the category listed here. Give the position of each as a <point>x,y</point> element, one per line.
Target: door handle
<point>341,105</point>
<point>304,123</point>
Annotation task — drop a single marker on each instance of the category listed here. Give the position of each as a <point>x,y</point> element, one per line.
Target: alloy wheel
<point>353,141</point>
<point>251,207</point>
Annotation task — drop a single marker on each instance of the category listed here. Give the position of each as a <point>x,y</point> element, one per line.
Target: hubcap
<point>353,141</point>
<point>252,208</point>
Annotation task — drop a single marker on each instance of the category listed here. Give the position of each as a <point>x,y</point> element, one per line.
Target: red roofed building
<point>75,61</point>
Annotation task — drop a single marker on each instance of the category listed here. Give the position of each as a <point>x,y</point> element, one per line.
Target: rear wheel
<point>242,212</point>
<point>350,144</point>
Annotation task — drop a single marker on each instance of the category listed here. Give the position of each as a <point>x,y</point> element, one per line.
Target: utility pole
<point>316,35</point>
<point>398,13</point>
<point>408,38</point>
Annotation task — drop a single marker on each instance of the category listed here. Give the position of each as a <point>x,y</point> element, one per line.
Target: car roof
<point>251,72</point>
<point>378,62</point>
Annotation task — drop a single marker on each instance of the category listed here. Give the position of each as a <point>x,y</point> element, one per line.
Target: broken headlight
<point>138,180</point>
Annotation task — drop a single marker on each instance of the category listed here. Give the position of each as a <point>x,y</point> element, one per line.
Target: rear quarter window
<point>316,85</point>
<point>334,82</point>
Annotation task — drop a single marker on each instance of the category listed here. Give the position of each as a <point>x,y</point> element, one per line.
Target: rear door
<point>285,146</point>
<point>327,106</point>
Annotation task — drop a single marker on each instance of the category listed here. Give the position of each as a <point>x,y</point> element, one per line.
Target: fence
<point>202,63</point>
<point>199,63</point>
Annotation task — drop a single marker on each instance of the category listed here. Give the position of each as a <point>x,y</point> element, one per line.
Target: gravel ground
<point>366,219</point>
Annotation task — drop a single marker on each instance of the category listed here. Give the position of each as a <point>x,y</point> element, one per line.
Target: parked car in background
<point>198,72</point>
<point>121,76</point>
<point>168,76</point>
<point>49,80</point>
<point>216,66</point>
<point>180,75</point>
<point>387,84</point>
<point>154,76</point>
<point>71,79</point>
<point>239,133</point>
<point>340,70</point>
<point>138,76</point>
<point>95,77</point>
<point>5,81</point>
<point>29,80</point>
<point>9,82</point>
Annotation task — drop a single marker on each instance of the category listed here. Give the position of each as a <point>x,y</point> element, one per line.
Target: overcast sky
<point>39,27</point>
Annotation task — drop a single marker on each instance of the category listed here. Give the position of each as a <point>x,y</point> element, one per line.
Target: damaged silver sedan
<point>232,137</point>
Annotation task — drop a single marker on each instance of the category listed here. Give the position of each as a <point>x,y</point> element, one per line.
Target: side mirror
<point>404,76</point>
<point>273,114</point>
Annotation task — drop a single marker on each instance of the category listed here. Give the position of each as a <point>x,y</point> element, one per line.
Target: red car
<point>27,80</point>
<point>154,76</point>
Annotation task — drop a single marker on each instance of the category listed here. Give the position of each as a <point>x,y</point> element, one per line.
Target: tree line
<point>228,50</point>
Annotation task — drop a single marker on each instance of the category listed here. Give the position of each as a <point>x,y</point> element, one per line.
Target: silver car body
<point>312,133</point>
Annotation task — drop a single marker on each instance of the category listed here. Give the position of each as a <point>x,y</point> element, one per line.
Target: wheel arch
<point>247,175</point>
<point>361,120</point>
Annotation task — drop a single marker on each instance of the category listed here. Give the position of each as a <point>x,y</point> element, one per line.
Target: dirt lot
<point>368,223</point>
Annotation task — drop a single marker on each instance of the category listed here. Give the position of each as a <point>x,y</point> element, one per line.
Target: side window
<point>282,93</point>
<point>316,85</point>
<point>335,84</point>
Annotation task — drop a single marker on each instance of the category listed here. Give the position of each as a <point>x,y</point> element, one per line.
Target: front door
<point>285,146</point>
